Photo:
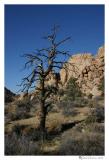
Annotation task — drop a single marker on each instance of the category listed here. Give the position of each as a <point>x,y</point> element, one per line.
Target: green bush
<point>102,86</point>
<point>72,90</point>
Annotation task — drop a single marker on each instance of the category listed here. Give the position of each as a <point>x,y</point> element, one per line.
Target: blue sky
<point>25,25</point>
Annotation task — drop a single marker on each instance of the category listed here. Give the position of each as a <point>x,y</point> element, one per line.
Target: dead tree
<point>42,62</point>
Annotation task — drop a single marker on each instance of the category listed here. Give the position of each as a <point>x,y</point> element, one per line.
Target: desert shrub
<point>23,109</point>
<point>92,104</point>
<point>69,110</point>
<point>25,104</point>
<point>95,127</point>
<point>10,117</point>
<point>20,145</point>
<point>96,115</point>
<point>95,103</point>
<point>96,110</point>
<point>34,134</point>
<point>79,127</point>
<point>91,119</point>
<point>72,90</point>
<point>17,129</point>
<point>19,110</point>
<point>77,143</point>
<point>89,127</point>
<point>67,107</point>
<point>99,113</point>
<point>101,87</point>
<point>54,108</point>
<point>61,92</point>
<point>21,114</point>
<point>90,96</point>
<point>80,102</point>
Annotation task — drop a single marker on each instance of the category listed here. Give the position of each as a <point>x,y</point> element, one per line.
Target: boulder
<point>95,92</point>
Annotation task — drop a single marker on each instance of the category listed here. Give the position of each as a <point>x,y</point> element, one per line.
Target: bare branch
<point>32,57</point>
<point>43,49</point>
<point>63,41</point>
<point>63,53</point>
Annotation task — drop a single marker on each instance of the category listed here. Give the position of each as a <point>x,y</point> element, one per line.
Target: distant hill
<point>9,95</point>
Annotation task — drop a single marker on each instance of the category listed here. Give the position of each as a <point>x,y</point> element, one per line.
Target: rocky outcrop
<point>88,69</point>
<point>77,64</point>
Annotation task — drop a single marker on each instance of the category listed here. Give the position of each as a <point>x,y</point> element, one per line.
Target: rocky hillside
<point>88,69</point>
<point>8,95</point>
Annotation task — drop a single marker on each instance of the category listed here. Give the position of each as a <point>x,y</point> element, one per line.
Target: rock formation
<point>88,69</point>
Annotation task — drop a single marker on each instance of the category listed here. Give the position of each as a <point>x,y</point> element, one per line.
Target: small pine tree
<point>72,89</point>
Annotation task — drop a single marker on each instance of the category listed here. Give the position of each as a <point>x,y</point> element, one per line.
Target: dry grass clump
<point>95,127</point>
<point>91,127</point>
<point>17,110</point>
<point>67,108</point>
<point>54,122</point>
<point>20,145</point>
<point>77,143</point>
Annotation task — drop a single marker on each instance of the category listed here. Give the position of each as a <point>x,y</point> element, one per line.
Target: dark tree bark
<point>42,112</point>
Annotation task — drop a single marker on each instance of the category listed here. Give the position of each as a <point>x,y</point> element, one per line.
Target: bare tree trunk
<point>43,113</point>
<point>42,122</point>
